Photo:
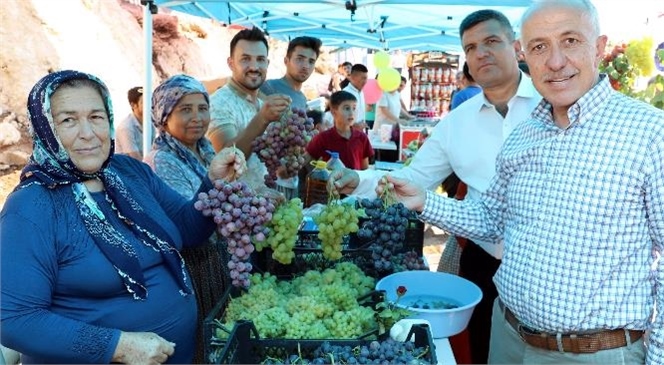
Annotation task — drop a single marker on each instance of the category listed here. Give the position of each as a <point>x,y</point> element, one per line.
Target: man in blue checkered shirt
<point>579,200</point>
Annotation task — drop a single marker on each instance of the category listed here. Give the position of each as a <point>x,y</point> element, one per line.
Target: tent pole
<point>148,9</point>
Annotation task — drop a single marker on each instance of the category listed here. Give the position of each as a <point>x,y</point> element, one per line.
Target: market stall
<point>330,277</point>
<point>306,275</point>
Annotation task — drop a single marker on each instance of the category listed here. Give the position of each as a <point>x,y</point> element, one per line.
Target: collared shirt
<point>351,150</point>
<point>231,110</point>
<point>361,110</point>
<point>392,101</point>
<point>129,136</point>
<point>281,86</point>
<point>466,142</point>
<point>581,210</point>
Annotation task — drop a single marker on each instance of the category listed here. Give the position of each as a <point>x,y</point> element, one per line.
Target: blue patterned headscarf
<point>51,166</point>
<point>164,99</point>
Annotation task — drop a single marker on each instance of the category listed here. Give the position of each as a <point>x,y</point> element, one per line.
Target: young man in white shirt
<point>129,131</point>
<point>358,78</point>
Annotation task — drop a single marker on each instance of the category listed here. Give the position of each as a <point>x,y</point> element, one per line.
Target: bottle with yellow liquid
<point>316,186</point>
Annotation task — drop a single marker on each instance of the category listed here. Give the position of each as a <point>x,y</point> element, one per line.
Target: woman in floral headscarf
<point>90,264</point>
<point>180,156</point>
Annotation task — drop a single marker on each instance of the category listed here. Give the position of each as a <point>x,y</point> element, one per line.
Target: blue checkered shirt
<point>581,211</point>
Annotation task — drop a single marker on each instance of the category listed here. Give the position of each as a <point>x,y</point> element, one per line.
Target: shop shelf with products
<point>433,79</point>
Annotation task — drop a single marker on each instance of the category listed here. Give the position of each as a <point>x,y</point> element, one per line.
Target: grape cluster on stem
<point>283,231</point>
<point>283,144</point>
<point>241,216</point>
<point>336,220</point>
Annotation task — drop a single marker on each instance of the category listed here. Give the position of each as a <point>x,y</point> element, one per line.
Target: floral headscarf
<point>164,99</point>
<point>51,166</point>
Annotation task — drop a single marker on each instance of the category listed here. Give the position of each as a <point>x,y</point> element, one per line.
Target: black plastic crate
<point>211,324</point>
<point>213,321</point>
<point>246,347</point>
<point>413,240</point>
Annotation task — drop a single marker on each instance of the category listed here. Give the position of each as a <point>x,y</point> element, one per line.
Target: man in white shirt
<point>390,107</point>
<point>129,132</point>
<point>358,78</point>
<point>467,142</point>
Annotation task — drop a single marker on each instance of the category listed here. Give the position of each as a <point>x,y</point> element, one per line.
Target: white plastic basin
<point>434,289</point>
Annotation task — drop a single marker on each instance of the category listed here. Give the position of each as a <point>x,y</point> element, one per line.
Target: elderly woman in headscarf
<point>180,156</point>
<point>90,264</point>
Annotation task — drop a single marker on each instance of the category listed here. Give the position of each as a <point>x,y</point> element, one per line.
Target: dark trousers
<point>479,267</point>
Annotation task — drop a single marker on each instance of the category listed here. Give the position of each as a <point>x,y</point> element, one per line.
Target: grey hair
<point>585,6</point>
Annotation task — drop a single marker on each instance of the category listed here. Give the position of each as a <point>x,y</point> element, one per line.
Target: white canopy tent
<point>388,25</point>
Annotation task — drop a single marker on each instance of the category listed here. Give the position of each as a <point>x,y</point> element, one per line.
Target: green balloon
<point>381,60</point>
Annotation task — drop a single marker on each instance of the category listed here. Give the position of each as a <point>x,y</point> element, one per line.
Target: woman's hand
<point>411,195</point>
<point>142,348</point>
<point>228,164</point>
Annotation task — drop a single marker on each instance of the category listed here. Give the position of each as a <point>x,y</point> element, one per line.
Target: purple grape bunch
<point>241,217</point>
<point>283,144</point>
<point>385,228</point>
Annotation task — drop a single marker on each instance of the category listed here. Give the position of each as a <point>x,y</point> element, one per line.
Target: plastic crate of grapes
<point>310,259</point>
<point>307,237</point>
<point>309,255</point>
<point>213,346</point>
<point>413,241</point>
<point>213,330</point>
<point>246,347</point>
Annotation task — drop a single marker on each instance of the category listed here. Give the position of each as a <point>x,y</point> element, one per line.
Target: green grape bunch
<point>334,222</point>
<point>283,230</point>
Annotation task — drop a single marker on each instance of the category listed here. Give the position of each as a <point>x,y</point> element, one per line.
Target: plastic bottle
<point>316,186</point>
<point>334,163</point>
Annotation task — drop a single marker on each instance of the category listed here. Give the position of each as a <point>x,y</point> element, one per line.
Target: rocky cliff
<point>105,38</point>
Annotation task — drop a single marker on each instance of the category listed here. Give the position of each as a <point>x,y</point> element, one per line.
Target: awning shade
<point>374,24</point>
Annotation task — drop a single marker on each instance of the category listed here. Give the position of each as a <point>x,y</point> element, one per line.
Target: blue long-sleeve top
<point>63,301</point>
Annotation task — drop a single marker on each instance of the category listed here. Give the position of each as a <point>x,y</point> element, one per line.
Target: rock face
<point>105,38</point>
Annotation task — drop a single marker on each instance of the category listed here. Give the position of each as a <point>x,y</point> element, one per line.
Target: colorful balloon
<point>389,79</point>
<point>372,92</point>
<point>381,60</point>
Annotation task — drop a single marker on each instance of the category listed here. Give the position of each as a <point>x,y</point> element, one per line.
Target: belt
<point>577,343</point>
